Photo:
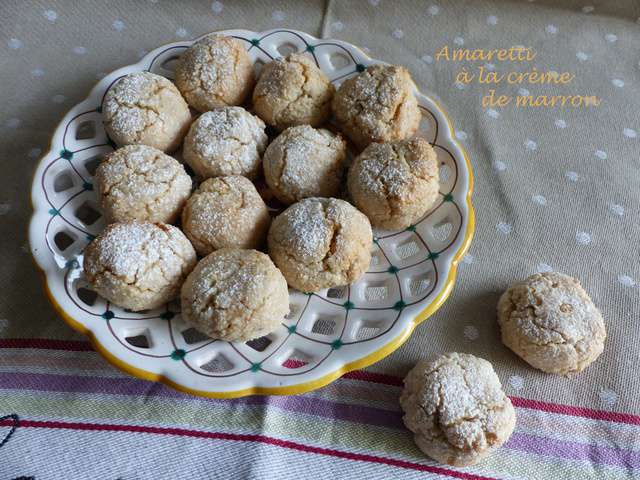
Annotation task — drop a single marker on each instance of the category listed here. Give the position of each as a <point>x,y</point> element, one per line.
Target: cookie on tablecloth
<point>456,409</point>
<point>550,322</point>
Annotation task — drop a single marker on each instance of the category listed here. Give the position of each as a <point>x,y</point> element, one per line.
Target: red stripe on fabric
<point>373,377</point>
<point>361,375</point>
<point>576,411</point>
<point>248,438</point>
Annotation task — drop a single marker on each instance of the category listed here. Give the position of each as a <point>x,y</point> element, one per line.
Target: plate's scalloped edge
<point>361,363</point>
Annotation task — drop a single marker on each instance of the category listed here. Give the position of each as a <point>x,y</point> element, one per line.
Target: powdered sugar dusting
<point>293,91</point>
<point>456,406</point>
<point>132,104</point>
<point>552,307</point>
<point>226,212</point>
<point>141,182</point>
<point>227,279</point>
<point>388,169</point>
<point>144,256</point>
<point>235,294</point>
<point>309,231</point>
<point>225,141</point>
<point>310,163</point>
<point>215,71</point>
<point>377,104</point>
<point>216,62</point>
<point>550,321</point>
<point>321,243</point>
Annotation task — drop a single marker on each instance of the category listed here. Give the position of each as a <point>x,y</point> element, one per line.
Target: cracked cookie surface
<point>138,265</point>
<point>137,182</point>
<point>320,243</point>
<point>395,183</point>
<point>293,91</point>
<point>377,105</point>
<point>225,141</point>
<point>216,71</point>
<point>550,321</point>
<point>235,295</point>
<point>456,408</point>
<point>305,162</point>
<point>145,108</point>
<point>225,212</point>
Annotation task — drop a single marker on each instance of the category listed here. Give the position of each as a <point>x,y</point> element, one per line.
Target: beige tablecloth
<point>556,188</point>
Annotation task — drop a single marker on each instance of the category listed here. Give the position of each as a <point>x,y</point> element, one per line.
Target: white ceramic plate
<point>327,334</point>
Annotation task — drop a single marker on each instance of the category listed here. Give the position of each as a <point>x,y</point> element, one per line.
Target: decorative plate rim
<point>295,389</point>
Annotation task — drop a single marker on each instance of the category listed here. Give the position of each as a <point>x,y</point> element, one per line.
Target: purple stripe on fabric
<point>530,444</point>
<point>134,387</point>
<point>574,450</point>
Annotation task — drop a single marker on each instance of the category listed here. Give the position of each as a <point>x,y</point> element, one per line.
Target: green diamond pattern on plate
<point>348,305</point>
<point>399,305</point>
<point>178,354</point>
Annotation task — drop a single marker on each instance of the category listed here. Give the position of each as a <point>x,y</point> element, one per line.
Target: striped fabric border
<point>56,384</point>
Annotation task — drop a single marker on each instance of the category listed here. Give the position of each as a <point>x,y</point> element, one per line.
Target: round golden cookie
<point>145,108</point>
<point>293,91</point>
<point>225,141</point>
<point>456,409</point>
<point>216,71</point>
<point>377,105</point>
<point>320,243</point>
<point>550,322</point>
<point>304,162</point>
<point>235,295</point>
<point>395,183</point>
<point>138,266</point>
<point>225,212</point>
<point>137,182</point>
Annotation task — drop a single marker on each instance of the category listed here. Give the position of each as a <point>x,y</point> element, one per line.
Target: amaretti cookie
<point>293,91</point>
<point>395,183</point>
<point>216,71</point>
<point>305,162</point>
<point>456,409</point>
<point>550,322</point>
<point>226,212</point>
<point>225,141</point>
<point>137,182</point>
<point>145,108</point>
<point>138,265</point>
<point>377,105</point>
<point>235,295</point>
<point>320,243</point>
